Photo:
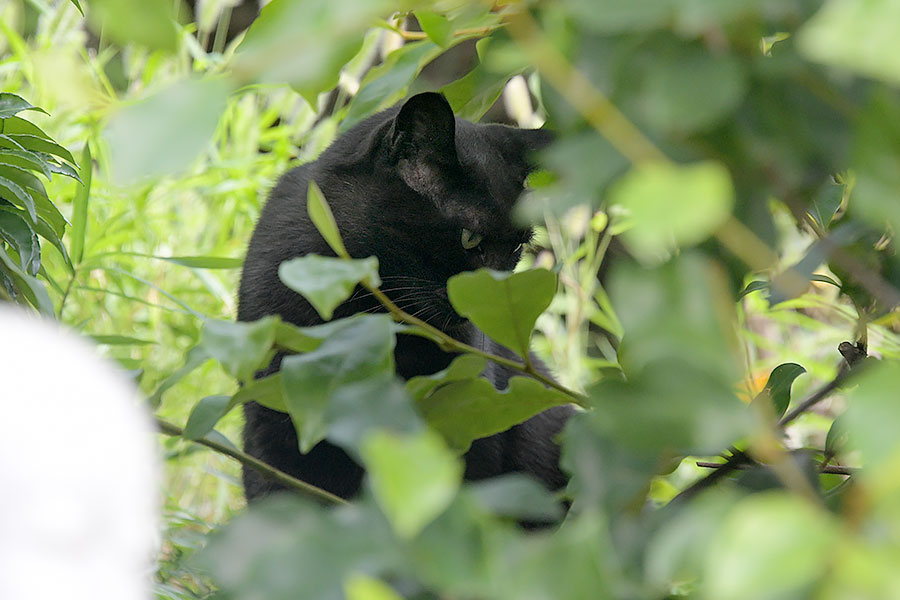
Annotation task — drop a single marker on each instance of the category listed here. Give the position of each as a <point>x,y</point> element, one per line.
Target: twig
<point>836,470</point>
<point>452,343</point>
<point>254,463</point>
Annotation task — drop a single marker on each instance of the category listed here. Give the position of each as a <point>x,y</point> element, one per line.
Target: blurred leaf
<point>387,83</point>
<point>467,410</point>
<point>517,496</point>
<point>80,206</point>
<point>187,111</point>
<point>360,348</point>
<point>322,217</point>
<point>860,36</point>
<point>680,310</point>
<point>792,543</point>
<point>503,305</point>
<point>585,164</point>
<point>873,415</point>
<point>876,160</point>
<point>754,286</point>
<point>672,205</point>
<point>326,281</point>
<point>836,439</point>
<point>242,348</point>
<point>287,548</point>
<point>204,416</point>
<point>305,43</point>
<point>673,408</point>
<point>204,262</point>
<point>778,387</point>
<point>360,587</point>
<point>413,477</point>
<point>684,88</point>
<point>149,23</point>
<point>10,104</point>
<point>379,402</point>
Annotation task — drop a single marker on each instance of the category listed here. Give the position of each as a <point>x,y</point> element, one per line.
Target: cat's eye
<point>470,239</point>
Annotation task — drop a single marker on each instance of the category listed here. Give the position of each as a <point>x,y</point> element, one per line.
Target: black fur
<point>402,185</point>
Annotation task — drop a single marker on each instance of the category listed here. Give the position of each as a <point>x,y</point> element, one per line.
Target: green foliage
<point>704,152</point>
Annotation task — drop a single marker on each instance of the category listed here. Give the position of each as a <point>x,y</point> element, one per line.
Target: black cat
<point>429,195</point>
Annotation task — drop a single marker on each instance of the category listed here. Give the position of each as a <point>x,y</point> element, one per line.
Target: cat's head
<point>439,197</point>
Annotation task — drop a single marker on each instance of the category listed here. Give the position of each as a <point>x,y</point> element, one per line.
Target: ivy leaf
<point>326,281</point>
<point>242,348</point>
<point>464,366</point>
<point>467,410</point>
<point>359,348</point>
<point>503,305</point>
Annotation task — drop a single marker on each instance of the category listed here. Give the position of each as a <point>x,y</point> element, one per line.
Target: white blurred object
<point>78,470</point>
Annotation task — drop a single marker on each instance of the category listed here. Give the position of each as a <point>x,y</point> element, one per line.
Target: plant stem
<point>452,343</point>
<point>254,463</point>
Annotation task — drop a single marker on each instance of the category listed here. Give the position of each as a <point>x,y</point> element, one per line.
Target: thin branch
<point>254,463</point>
<point>452,343</point>
<point>833,469</point>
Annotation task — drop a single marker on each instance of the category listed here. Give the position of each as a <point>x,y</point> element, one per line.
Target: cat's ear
<point>425,129</point>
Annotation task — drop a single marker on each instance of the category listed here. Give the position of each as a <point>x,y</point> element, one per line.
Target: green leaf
<point>463,367</point>
<point>187,111</point>
<point>39,143</point>
<point>80,206</point>
<point>826,203</point>
<point>326,281</point>
<point>25,160</point>
<point>26,179</point>
<point>204,416</point>
<point>322,217</point>
<point>204,262</point>
<point>242,348</point>
<point>860,36</point>
<point>754,286</point>
<point>672,205</point>
<point>267,391</point>
<point>29,286</point>
<point>791,541</point>
<point>78,6</point>
<point>473,94</point>
<point>778,388</point>
<point>14,193</point>
<point>149,23</point>
<point>195,357</point>
<point>16,232</point>
<point>357,349</point>
<point>436,26</point>
<point>413,477</point>
<point>10,104</point>
<point>467,410</point>
<point>503,305</point>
